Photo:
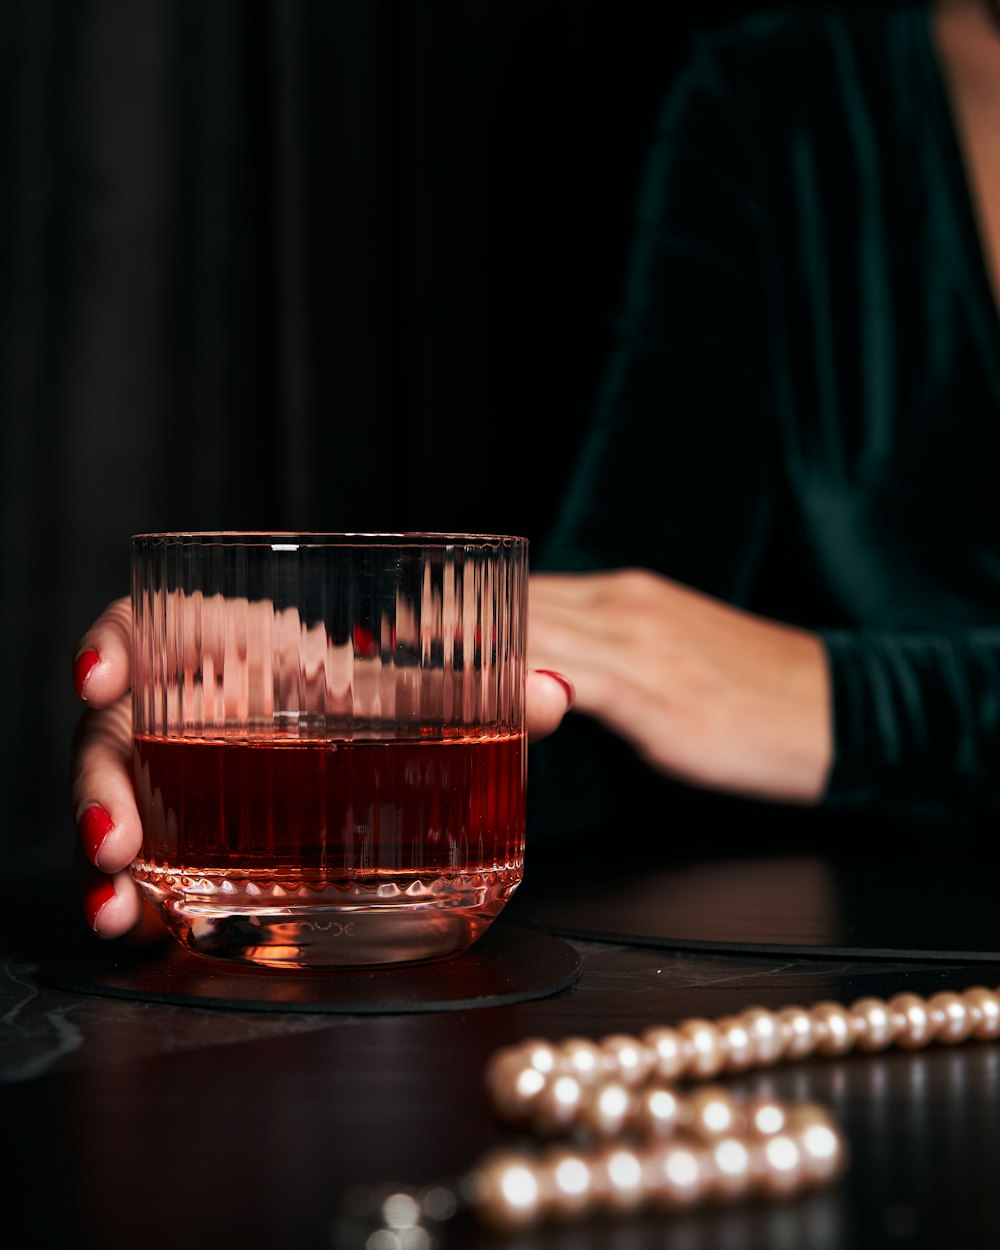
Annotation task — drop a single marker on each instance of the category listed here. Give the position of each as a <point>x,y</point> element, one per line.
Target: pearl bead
<point>506,1191</point>
<point>799,1030</point>
<point>782,1170</point>
<point>874,1024</point>
<point>607,1108</point>
<point>627,1058</point>
<point>619,1179</point>
<point>834,1029</point>
<point>716,1145</point>
<point>707,1056</point>
<point>513,1086</point>
<point>657,1112</point>
<point>732,1168</point>
<point>823,1151</point>
<point>712,1112</point>
<point>582,1058</point>
<point>501,1063</point>
<point>915,1027</point>
<point>677,1174</point>
<point>766,1035</point>
<point>987,1003</point>
<point>556,1108</point>
<point>567,1183</point>
<point>765,1117</point>
<point>737,1044</point>
<point>956,1017</point>
<point>539,1054</point>
<point>671,1052</point>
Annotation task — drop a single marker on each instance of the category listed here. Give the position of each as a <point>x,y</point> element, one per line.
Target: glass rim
<point>329,538</point>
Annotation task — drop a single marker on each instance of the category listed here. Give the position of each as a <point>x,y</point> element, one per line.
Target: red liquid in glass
<point>316,811</point>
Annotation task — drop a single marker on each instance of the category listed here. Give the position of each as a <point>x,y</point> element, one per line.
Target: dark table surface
<point>162,1124</point>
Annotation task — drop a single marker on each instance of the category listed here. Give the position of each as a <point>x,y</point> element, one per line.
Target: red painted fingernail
<point>365,645</point>
<point>83,666</point>
<point>563,681</point>
<point>96,895</point>
<point>95,825</point>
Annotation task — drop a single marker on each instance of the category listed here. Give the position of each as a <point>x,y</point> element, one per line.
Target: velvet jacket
<point>802,417</point>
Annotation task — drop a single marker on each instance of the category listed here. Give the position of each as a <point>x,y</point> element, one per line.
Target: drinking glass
<point>329,751</point>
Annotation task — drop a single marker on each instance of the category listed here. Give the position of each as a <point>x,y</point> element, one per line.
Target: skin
<point>702,691</point>
<point>101,767</point>
<point>967,36</point>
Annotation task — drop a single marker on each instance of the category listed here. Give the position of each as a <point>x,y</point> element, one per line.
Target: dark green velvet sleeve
<point>748,374</point>
<point>917,718</point>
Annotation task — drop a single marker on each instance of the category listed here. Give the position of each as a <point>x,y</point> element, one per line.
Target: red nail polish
<point>95,825</point>
<point>563,681</point>
<point>102,891</point>
<point>83,666</point>
<point>365,645</point>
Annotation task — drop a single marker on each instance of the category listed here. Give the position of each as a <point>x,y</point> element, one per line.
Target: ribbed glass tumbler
<point>329,749</point>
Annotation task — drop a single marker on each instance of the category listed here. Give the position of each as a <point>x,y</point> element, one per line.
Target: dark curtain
<point>349,264</point>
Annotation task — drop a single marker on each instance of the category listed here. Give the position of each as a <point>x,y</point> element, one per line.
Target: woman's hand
<point>704,692</point>
<point>103,798</point>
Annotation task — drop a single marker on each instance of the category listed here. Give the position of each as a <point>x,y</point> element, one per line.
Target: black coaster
<point>509,964</point>
<point>914,908</point>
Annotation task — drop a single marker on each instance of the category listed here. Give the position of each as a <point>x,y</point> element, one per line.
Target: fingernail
<point>563,681</point>
<point>95,825</point>
<point>95,897</point>
<point>365,645</point>
<point>83,666</point>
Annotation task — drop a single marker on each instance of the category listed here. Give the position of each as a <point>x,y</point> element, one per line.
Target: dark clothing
<point>803,417</point>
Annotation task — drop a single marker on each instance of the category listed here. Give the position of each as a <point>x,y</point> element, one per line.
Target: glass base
<point>269,923</point>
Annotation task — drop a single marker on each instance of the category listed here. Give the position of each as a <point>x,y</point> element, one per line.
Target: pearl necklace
<point>636,1140</point>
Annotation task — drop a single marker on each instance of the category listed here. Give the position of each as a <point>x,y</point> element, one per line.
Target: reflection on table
<point>140,1122</point>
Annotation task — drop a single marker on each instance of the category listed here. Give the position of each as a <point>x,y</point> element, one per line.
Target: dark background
<point>348,264</point>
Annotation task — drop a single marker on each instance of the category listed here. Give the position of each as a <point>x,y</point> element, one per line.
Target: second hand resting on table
<point>702,692</point>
